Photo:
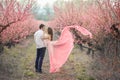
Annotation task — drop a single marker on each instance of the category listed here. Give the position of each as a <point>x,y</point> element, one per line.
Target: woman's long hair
<point>50,32</point>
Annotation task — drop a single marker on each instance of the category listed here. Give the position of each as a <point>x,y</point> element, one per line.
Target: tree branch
<point>5,26</point>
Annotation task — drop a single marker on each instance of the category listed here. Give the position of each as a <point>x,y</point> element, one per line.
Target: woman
<point>48,35</point>
<point>60,49</point>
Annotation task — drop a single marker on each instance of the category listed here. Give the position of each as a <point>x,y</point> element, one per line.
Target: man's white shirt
<point>38,39</point>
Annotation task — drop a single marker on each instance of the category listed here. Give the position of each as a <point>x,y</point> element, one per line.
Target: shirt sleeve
<point>38,37</point>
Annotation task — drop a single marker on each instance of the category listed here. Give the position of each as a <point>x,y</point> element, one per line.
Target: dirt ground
<point>17,63</point>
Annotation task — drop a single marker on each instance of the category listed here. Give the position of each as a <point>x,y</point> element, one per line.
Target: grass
<point>81,63</point>
<point>18,64</point>
<point>16,61</point>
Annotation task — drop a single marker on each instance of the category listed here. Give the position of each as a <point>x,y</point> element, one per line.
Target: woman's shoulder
<point>45,34</point>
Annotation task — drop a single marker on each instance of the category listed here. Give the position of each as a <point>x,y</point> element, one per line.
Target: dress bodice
<point>47,36</point>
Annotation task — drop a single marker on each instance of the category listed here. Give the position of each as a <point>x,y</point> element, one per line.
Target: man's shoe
<point>36,70</point>
<point>40,72</point>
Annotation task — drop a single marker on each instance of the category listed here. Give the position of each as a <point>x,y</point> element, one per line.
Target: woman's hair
<point>50,32</point>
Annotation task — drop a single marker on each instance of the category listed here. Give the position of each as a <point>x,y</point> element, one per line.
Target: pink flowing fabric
<point>60,50</point>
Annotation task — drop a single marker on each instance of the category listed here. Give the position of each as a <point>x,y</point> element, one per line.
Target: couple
<point>58,50</point>
<point>41,37</point>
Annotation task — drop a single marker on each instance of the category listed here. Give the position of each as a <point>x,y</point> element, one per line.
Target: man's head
<point>41,26</point>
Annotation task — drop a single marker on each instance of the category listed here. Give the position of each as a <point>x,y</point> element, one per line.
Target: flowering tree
<point>12,12</point>
<point>19,31</point>
<point>16,21</point>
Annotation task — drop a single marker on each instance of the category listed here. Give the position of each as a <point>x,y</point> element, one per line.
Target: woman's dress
<point>60,50</point>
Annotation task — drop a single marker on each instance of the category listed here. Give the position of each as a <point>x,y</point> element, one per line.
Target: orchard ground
<point>17,63</point>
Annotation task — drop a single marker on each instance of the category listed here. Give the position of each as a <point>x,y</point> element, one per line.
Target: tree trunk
<point>108,61</point>
<point>1,46</point>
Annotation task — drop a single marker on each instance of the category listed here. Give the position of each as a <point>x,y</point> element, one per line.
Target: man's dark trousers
<point>39,58</point>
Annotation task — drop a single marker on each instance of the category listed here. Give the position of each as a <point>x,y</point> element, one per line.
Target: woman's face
<point>46,29</point>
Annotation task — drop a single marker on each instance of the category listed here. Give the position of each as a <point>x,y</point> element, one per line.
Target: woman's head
<point>50,32</point>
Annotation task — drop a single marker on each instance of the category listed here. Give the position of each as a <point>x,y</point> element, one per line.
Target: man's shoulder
<point>38,32</point>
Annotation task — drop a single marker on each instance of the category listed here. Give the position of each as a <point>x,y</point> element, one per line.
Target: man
<point>40,48</point>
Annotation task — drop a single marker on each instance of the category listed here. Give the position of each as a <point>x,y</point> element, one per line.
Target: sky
<point>42,3</point>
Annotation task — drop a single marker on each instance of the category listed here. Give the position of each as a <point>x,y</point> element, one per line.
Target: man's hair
<point>41,26</point>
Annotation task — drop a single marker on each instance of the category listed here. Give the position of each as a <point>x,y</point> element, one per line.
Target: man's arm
<point>45,37</point>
